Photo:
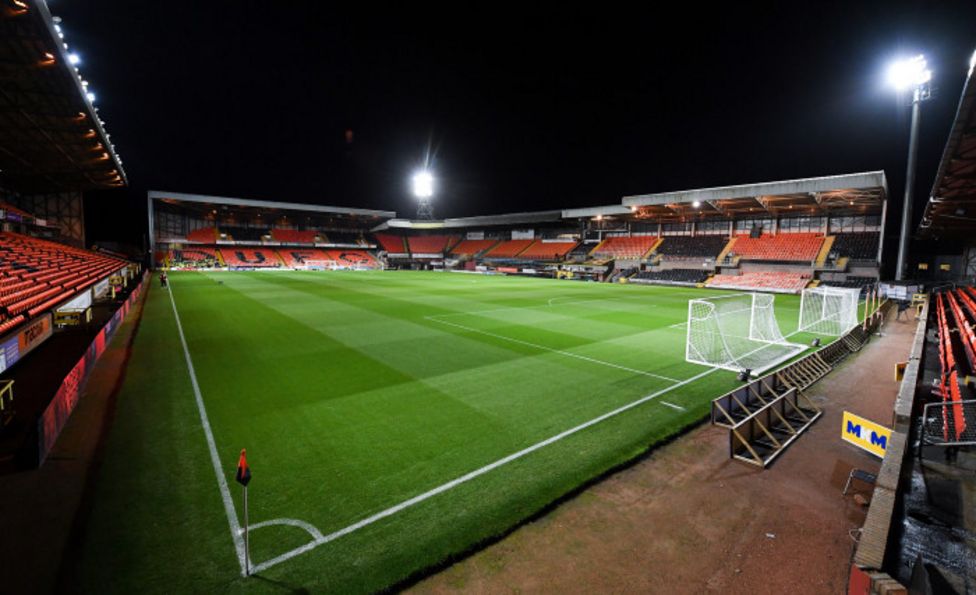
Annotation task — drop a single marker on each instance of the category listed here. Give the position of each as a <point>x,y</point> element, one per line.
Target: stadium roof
<point>51,138</point>
<point>179,197</point>
<point>596,211</point>
<point>841,195</point>
<point>479,221</point>
<point>951,210</point>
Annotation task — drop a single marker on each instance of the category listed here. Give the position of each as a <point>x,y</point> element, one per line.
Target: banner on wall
<point>80,302</point>
<point>100,288</point>
<point>523,234</point>
<point>475,235</point>
<point>55,416</point>
<point>19,344</point>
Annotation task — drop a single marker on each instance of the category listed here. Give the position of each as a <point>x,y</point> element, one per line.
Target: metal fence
<point>949,423</point>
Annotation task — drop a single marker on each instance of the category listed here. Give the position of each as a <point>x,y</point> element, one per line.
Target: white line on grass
<point>318,538</point>
<point>308,527</point>
<point>549,305</point>
<point>235,528</point>
<point>468,476</point>
<point>550,349</point>
<point>673,406</point>
<point>473,474</point>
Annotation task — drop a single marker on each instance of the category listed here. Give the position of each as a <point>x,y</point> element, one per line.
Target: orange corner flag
<point>243,471</point>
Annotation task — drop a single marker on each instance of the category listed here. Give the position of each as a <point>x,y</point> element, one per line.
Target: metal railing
<point>949,423</point>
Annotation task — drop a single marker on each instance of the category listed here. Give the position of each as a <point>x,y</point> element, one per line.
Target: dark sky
<point>523,109</point>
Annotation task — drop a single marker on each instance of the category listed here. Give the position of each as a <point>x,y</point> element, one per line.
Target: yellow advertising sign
<point>865,434</point>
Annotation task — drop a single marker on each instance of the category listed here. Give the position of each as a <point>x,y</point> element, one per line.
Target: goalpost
<point>737,332</point>
<point>829,310</point>
<point>321,265</point>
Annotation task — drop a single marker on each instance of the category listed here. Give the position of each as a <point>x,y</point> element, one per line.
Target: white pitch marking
<point>308,527</point>
<point>473,474</point>
<point>468,476</point>
<point>474,312</point>
<point>235,528</point>
<point>550,349</point>
<point>319,540</point>
<point>673,406</point>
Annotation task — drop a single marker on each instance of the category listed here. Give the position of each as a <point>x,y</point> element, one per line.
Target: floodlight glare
<point>73,58</point>
<point>912,72</point>
<point>696,204</point>
<point>423,184</point>
<point>90,96</point>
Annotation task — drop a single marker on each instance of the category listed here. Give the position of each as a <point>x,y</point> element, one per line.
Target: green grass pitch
<point>355,392</point>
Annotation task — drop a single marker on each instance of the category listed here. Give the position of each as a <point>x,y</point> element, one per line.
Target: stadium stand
<point>687,247</point>
<point>625,247</point>
<point>861,282</point>
<point>250,258</point>
<point>542,250</point>
<point>244,234</point>
<point>472,247</point>
<point>787,247</point>
<point>205,257</point>
<point>949,327</point>
<point>771,280</point>
<point>37,275</point>
<point>674,276</point>
<point>293,236</point>
<point>295,258</point>
<point>353,258</point>
<point>580,252</point>
<point>857,246</point>
<point>509,249</point>
<point>391,243</point>
<point>436,244</point>
<point>206,235</point>
<point>342,237</point>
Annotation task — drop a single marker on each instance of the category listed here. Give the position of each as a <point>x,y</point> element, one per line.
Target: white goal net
<point>829,310</point>
<point>320,265</point>
<point>737,332</point>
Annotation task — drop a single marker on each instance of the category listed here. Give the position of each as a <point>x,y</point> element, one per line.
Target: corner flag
<point>243,471</point>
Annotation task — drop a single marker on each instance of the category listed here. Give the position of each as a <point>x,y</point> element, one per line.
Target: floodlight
<point>90,96</point>
<point>912,73</point>
<point>905,74</point>
<point>73,58</point>
<point>696,204</point>
<point>423,184</point>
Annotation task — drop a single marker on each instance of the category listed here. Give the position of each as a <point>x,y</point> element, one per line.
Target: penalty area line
<point>469,476</point>
<point>551,350</point>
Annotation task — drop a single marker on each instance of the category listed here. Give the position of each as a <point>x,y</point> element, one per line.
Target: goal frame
<point>313,264</point>
<point>821,322</point>
<point>735,361</point>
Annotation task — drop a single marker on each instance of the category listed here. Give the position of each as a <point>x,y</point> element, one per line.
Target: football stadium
<point>758,385</point>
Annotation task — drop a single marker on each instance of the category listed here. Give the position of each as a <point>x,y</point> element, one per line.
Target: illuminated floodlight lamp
<point>74,59</point>
<point>909,73</point>
<point>696,204</point>
<point>90,96</point>
<point>423,184</point>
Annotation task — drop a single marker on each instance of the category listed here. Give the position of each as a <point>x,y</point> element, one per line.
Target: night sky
<point>520,109</point>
